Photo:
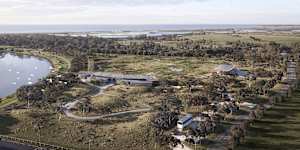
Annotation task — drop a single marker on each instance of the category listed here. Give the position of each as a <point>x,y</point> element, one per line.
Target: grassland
<point>48,126</point>
<point>160,67</point>
<point>133,133</point>
<point>222,38</point>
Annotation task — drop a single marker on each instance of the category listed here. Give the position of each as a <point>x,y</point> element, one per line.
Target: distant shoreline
<point>47,29</point>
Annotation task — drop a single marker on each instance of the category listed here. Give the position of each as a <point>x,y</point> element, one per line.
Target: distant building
<point>227,69</point>
<point>137,80</point>
<point>85,76</point>
<point>224,68</point>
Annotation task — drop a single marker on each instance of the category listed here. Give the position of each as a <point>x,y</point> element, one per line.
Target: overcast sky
<point>149,11</point>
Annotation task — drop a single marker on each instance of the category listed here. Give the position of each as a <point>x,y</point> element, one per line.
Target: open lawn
<point>130,132</point>
<point>160,67</point>
<point>278,129</point>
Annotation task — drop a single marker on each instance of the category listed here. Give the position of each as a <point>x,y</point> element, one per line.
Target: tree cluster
<point>75,46</point>
<point>47,90</point>
<point>79,63</point>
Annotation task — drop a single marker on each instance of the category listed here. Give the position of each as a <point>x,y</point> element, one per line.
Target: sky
<point>149,11</point>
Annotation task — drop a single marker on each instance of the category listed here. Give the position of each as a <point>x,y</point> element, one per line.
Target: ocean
<point>112,28</point>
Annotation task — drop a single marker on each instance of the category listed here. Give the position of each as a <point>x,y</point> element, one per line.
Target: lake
<point>19,70</point>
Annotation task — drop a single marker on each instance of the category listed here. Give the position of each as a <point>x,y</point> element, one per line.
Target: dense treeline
<point>59,44</point>
<point>74,46</point>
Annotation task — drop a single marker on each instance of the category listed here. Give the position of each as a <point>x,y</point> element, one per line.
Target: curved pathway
<point>67,107</point>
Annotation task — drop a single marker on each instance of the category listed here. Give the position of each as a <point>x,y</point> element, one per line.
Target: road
<point>67,108</point>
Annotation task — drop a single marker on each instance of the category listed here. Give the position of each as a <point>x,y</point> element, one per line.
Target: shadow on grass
<point>279,129</point>
<point>6,121</point>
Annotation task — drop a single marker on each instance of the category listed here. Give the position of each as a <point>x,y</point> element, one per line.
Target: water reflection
<point>18,70</point>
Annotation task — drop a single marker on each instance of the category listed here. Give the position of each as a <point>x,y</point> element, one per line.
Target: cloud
<point>136,2</point>
<point>54,7</point>
<point>148,11</point>
<point>70,3</point>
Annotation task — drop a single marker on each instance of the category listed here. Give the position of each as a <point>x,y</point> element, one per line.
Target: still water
<point>19,70</point>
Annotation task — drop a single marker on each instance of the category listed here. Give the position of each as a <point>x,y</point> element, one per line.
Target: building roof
<point>224,68</point>
<point>187,117</point>
<point>124,76</point>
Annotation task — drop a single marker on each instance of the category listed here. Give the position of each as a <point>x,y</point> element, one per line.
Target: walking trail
<point>67,108</point>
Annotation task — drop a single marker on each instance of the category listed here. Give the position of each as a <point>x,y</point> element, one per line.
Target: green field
<point>221,38</point>
<point>160,67</point>
<point>278,130</point>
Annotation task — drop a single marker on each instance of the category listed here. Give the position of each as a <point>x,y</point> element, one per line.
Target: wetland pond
<point>19,70</point>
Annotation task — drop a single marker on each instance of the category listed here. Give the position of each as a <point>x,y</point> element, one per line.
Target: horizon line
<point>253,24</point>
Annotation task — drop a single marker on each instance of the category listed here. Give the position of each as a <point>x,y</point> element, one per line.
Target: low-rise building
<point>227,69</point>
<point>184,121</point>
<point>137,80</point>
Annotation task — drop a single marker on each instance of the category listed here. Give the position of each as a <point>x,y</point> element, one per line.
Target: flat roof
<point>187,117</point>
<point>122,76</point>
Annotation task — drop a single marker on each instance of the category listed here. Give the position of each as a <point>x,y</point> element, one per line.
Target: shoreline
<point>11,98</point>
<point>42,54</point>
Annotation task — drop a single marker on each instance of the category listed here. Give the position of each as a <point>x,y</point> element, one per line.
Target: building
<point>224,68</point>
<point>184,121</point>
<point>227,69</point>
<point>85,76</point>
<point>137,80</point>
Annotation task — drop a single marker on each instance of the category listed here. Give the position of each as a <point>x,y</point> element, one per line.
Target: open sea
<point>112,28</point>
